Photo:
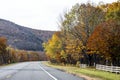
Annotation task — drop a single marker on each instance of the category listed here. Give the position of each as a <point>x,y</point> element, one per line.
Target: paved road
<point>33,71</point>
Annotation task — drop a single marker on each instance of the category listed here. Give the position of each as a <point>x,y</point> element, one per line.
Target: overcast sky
<point>37,14</point>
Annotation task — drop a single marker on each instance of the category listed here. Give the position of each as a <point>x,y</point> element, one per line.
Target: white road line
<point>8,76</point>
<point>48,73</point>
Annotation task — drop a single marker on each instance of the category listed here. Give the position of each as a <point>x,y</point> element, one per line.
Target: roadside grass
<point>100,74</point>
<point>91,72</point>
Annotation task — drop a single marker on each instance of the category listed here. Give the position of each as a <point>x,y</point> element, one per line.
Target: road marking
<point>8,76</point>
<point>48,73</point>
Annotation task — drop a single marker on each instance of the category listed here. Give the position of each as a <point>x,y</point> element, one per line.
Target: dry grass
<point>87,73</point>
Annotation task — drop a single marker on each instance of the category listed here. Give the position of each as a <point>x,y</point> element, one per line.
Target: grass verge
<point>87,73</point>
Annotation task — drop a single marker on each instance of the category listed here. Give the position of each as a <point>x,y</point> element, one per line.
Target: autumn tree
<point>106,41</point>
<point>80,22</point>
<point>13,56</point>
<point>113,11</point>
<point>33,56</point>
<point>3,53</point>
<point>53,47</point>
<point>73,50</point>
<point>77,29</point>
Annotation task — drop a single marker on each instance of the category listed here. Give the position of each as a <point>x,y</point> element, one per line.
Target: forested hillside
<point>23,38</point>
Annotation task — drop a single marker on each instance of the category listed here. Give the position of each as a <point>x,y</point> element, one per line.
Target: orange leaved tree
<point>105,40</point>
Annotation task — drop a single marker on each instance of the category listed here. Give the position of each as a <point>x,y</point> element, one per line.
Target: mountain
<point>23,38</point>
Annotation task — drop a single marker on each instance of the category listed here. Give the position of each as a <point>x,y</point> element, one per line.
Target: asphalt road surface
<point>33,71</point>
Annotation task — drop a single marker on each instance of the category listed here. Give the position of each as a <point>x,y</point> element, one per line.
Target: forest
<point>22,37</point>
<point>11,55</point>
<point>89,34</point>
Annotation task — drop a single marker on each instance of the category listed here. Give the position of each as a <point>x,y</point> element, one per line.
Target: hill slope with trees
<point>23,38</point>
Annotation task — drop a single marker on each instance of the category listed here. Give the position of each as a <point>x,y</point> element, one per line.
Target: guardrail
<point>114,69</point>
<point>83,65</point>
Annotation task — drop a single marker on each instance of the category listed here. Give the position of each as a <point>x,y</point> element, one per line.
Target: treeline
<point>11,55</point>
<point>90,34</point>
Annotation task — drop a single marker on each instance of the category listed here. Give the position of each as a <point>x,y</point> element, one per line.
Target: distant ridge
<point>23,38</point>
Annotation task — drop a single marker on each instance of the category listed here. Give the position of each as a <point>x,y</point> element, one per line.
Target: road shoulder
<point>67,70</point>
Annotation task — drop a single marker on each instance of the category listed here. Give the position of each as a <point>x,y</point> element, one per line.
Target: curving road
<point>33,71</point>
